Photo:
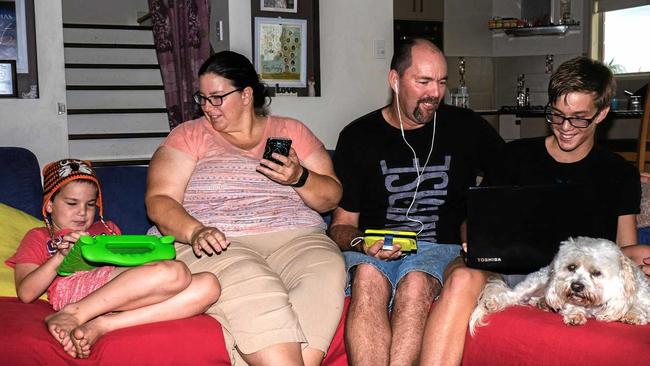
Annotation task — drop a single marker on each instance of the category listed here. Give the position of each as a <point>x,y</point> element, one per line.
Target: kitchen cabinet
<point>418,9</point>
<point>466,30</point>
<point>512,127</point>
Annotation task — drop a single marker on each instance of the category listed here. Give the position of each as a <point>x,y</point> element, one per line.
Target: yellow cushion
<point>13,226</point>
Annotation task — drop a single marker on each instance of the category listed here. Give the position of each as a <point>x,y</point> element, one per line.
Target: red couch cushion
<point>196,341</point>
<point>517,336</point>
<point>528,336</point>
<point>26,341</point>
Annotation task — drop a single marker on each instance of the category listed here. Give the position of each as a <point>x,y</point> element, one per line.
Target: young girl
<point>91,303</point>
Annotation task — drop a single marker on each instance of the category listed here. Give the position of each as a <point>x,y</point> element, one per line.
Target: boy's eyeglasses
<point>215,100</point>
<point>558,119</point>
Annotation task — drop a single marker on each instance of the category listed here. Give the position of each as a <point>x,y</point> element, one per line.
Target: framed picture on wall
<point>13,38</point>
<point>281,51</point>
<point>285,6</point>
<point>8,87</point>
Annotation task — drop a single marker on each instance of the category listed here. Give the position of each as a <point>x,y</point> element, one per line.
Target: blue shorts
<point>430,258</point>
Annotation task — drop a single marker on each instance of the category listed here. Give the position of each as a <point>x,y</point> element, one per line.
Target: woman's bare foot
<point>60,325</point>
<point>84,336</point>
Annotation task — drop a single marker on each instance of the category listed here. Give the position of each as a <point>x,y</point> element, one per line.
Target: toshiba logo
<point>488,259</point>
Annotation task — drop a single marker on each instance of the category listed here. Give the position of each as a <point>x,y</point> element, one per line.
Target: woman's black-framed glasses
<point>558,119</point>
<point>215,100</point>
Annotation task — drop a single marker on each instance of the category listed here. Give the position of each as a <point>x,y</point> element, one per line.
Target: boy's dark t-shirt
<point>611,183</point>
<point>379,179</point>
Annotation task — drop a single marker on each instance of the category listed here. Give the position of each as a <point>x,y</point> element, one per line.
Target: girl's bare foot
<point>60,325</point>
<point>84,336</point>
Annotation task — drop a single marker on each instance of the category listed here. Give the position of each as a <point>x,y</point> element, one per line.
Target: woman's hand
<point>321,190</point>
<point>286,174</point>
<point>208,239</point>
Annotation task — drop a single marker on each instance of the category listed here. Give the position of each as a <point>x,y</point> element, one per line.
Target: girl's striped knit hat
<point>59,173</point>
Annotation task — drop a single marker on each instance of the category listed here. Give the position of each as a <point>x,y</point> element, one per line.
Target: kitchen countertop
<point>538,111</point>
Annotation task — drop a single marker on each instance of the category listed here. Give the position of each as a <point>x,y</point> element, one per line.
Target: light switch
<point>380,48</point>
<point>219,32</point>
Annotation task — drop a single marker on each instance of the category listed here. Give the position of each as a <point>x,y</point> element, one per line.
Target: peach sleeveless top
<point>225,190</point>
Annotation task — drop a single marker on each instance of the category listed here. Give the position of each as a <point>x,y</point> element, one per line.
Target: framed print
<point>13,37</point>
<point>286,6</point>
<point>281,51</point>
<point>8,87</point>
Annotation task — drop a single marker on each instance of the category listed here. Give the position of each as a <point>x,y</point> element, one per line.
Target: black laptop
<point>518,229</point>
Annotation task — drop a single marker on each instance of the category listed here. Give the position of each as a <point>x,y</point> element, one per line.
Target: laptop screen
<point>518,229</point>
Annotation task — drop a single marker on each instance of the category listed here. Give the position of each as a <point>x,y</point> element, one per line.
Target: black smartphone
<point>278,145</point>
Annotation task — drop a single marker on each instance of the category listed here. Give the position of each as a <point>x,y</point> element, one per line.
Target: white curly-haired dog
<point>587,278</point>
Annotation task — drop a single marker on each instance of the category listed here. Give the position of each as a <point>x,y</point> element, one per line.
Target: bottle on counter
<point>527,97</point>
<point>521,91</point>
<point>565,12</point>
<point>460,97</point>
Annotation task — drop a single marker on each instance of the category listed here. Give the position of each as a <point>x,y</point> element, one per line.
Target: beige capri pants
<point>279,287</point>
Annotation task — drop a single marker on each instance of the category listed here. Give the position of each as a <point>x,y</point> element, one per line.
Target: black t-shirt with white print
<point>610,182</point>
<point>377,170</point>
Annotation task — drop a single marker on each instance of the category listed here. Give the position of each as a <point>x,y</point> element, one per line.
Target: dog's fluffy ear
<point>552,297</point>
<point>616,307</point>
<point>628,276</point>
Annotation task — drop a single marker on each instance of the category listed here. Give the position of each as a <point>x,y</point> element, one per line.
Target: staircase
<point>116,104</point>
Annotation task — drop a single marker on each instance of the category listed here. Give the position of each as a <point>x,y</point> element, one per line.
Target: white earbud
<point>396,87</point>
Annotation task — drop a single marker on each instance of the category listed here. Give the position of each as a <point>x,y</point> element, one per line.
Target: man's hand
<point>376,251</point>
<point>645,267</point>
<point>645,177</point>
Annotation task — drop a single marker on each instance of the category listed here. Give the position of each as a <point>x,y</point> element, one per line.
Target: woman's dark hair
<point>240,71</point>
<point>583,75</point>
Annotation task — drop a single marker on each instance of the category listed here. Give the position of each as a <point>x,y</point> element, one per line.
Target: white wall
<point>34,123</point>
<point>104,11</point>
<point>353,81</point>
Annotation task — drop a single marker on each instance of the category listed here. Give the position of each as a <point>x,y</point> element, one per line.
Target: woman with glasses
<point>253,222</point>
<point>579,93</point>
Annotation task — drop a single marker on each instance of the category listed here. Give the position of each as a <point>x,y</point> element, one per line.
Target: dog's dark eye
<point>571,267</point>
<point>596,273</point>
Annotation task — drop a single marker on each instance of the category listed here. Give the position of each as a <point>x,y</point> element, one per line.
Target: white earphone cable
<point>418,171</point>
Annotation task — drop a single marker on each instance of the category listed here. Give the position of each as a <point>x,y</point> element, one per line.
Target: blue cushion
<point>643,234</point>
<point>123,188</point>
<point>20,185</point>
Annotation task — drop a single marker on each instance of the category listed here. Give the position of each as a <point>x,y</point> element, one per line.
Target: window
<point>624,47</point>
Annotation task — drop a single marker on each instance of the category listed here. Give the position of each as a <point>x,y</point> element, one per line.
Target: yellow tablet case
<point>407,240</point>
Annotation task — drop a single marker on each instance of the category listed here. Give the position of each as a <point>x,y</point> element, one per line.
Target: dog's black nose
<point>577,286</point>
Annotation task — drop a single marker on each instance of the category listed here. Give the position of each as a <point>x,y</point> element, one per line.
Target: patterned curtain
<point>180,29</point>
